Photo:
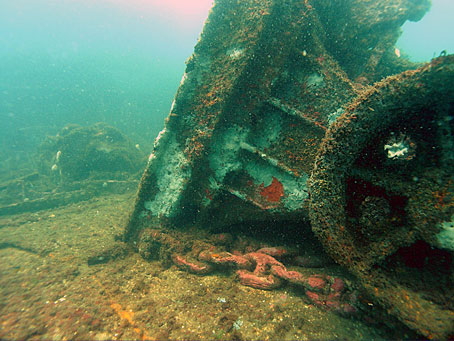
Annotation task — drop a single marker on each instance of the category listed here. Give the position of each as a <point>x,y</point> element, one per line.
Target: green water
<point>79,62</point>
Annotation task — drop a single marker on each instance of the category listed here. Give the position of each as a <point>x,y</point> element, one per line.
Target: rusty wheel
<point>382,195</point>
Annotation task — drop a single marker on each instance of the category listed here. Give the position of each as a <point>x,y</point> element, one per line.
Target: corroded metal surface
<point>383,195</point>
<point>267,81</point>
<point>263,85</point>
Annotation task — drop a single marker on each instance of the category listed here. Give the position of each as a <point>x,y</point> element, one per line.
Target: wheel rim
<point>383,189</point>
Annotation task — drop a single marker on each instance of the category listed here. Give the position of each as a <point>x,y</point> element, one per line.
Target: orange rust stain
<point>273,192</point>
<point>128,316</point>
<point>125,315</point>
<point>440,196</point>
<point>208,194</point>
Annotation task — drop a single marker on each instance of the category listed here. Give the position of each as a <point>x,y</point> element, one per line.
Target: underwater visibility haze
<point>197,169</point>
<point>88,61</point>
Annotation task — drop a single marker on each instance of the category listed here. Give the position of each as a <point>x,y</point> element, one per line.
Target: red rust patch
<point>273,192</point>
<point>208,194</point>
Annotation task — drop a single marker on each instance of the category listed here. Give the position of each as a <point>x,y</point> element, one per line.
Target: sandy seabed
<point>48,290</point>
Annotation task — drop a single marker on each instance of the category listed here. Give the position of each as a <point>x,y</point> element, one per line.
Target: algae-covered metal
<point>251,109</point>
<point>267,82</point>
<point>383,195</point>
<point>264,84</point>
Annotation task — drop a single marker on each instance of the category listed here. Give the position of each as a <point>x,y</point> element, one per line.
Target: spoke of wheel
<point>391,183</point>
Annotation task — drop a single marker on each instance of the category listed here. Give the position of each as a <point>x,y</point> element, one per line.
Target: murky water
<point>222,240</point>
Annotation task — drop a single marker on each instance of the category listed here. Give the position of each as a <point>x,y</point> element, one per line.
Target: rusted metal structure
<point>383,195</point>
<point>266,84</point>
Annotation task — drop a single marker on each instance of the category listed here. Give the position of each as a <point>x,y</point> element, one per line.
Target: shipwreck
<point>301,111</point>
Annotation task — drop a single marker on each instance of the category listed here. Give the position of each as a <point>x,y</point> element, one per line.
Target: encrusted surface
<point>401,258</point>
<point>268,81</point>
